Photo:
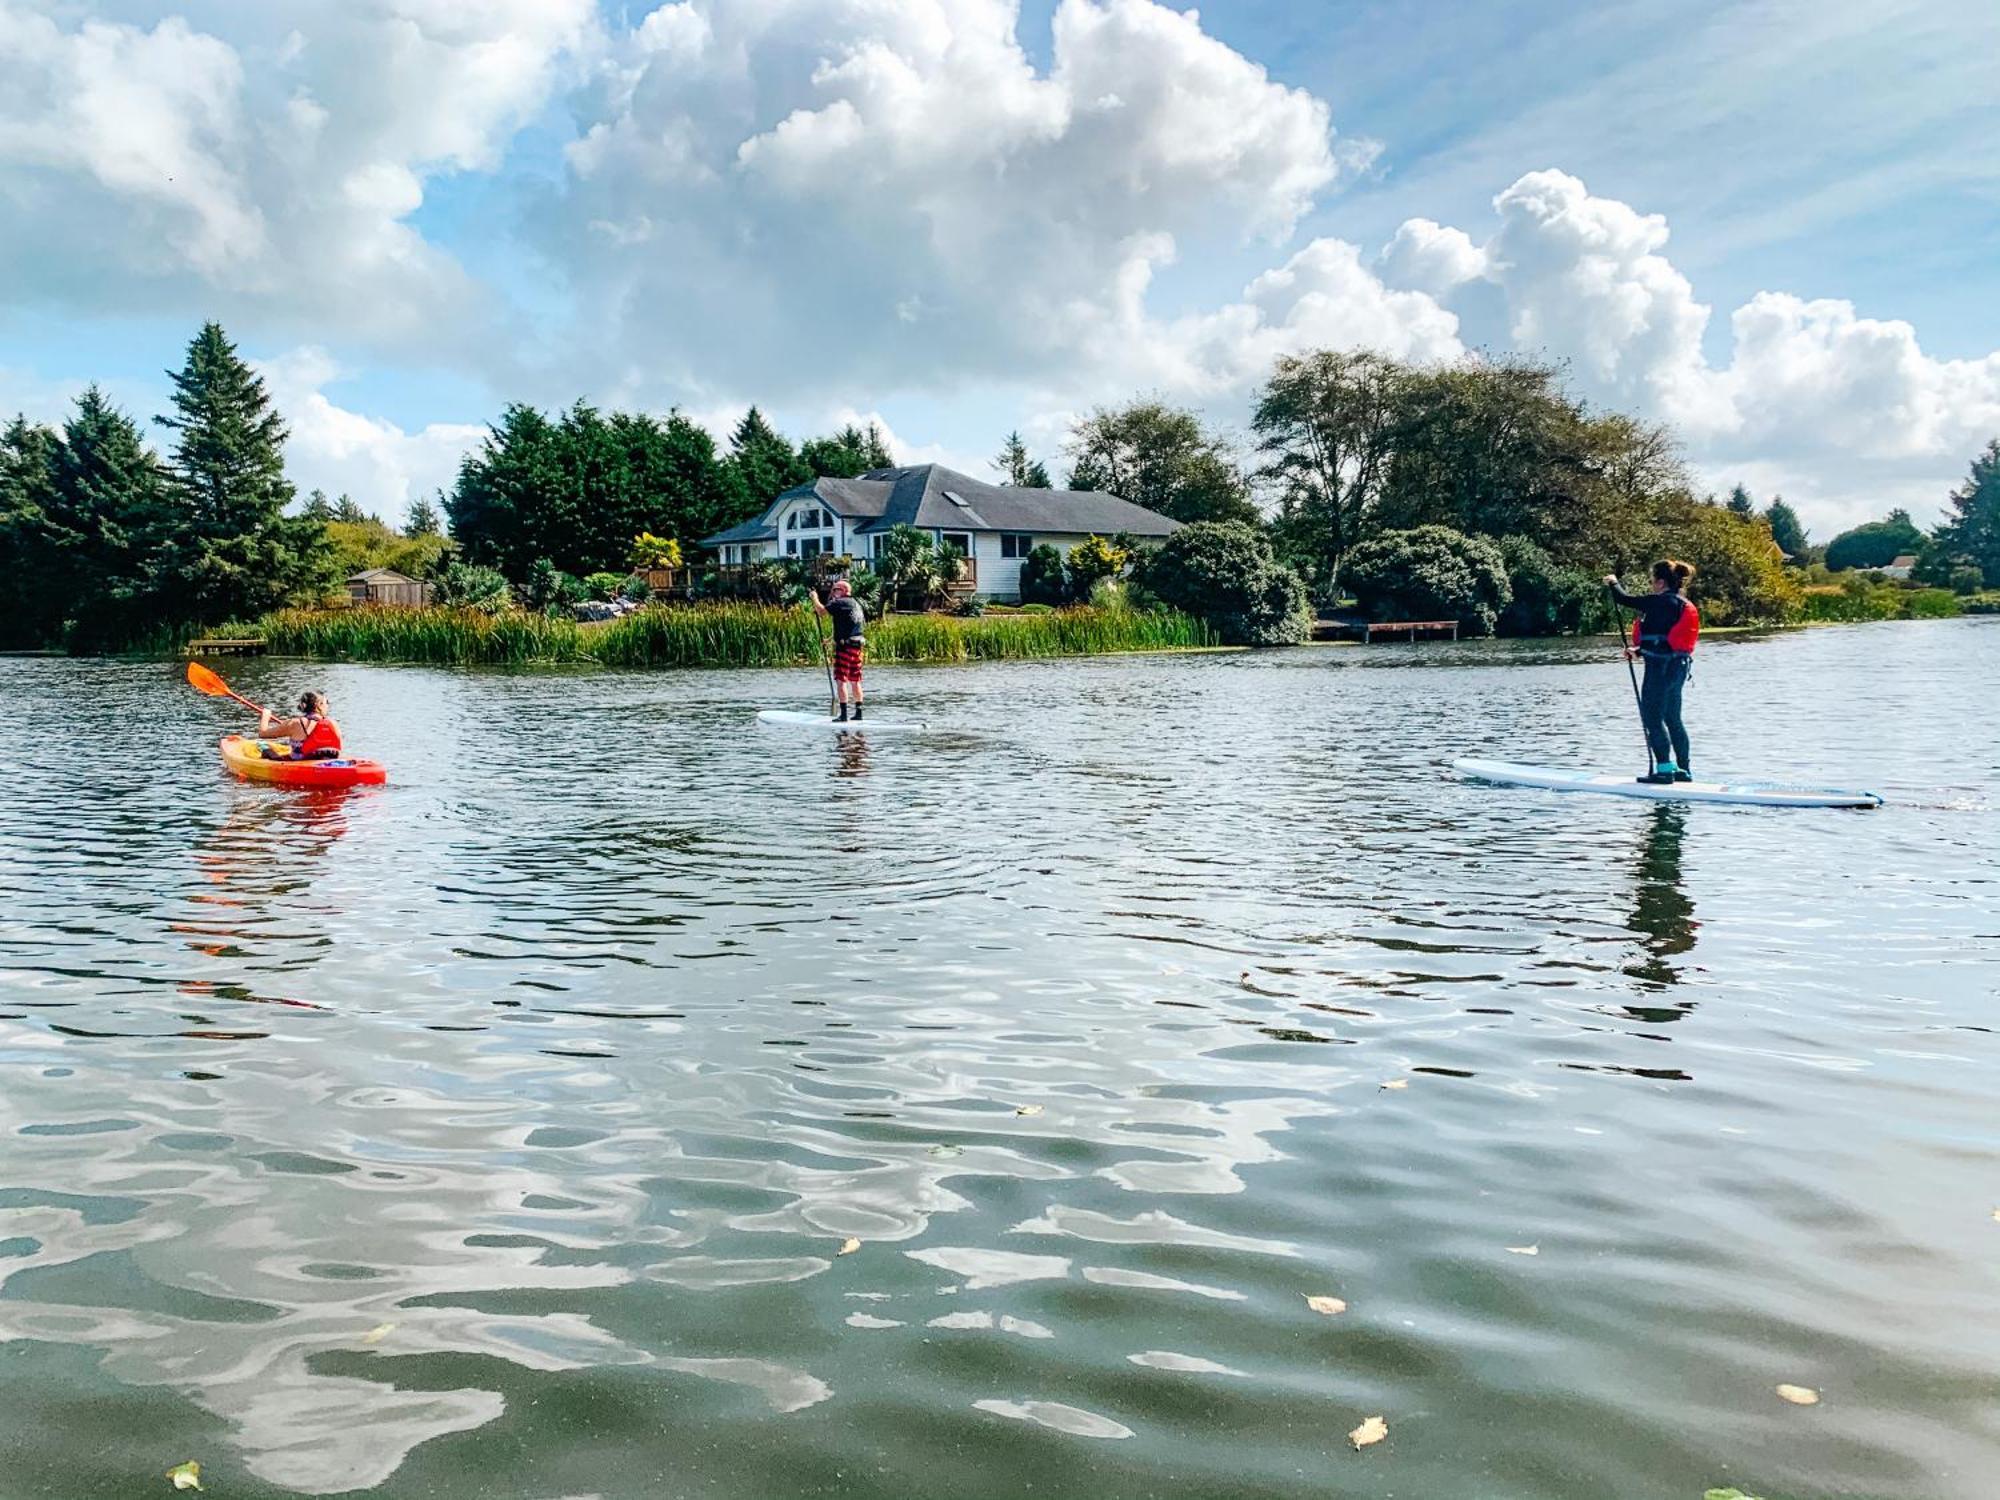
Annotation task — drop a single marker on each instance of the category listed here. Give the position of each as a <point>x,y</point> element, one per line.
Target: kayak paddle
<point>204,681</point>
<point>819,639</point>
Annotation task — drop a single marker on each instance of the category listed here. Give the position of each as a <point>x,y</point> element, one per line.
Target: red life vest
<point>1680,637</point>
<point>321,735</point>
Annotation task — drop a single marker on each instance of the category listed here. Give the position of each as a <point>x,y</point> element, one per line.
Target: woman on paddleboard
<point>313,735</point>
<point>1663,637</point>
<point>849,645</point>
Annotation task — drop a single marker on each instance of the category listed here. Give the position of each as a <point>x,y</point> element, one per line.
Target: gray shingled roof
<point>932,496</point>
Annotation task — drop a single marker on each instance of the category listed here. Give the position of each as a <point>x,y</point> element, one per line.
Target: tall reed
<point>709,635</point>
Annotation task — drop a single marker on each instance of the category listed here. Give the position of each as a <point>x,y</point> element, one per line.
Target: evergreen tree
<point>763,460</point>
<point>1786,529</point>
<point>27,460</point>
<point>229,550</point>
<point>1740,501</point>
<point>423,520</point>
<point>110,503</point>
<point>1017,469</point>
<point>847,454</point>
<point>1972,530</point>
<point>345,509</point>
<point>318,507</point>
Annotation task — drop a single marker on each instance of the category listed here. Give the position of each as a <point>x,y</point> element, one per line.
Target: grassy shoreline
<point>716,635</point>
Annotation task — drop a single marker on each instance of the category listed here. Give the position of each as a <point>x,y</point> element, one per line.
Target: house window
<point>812,546</point>
<point>1012,544</point>
<point>791,546</point>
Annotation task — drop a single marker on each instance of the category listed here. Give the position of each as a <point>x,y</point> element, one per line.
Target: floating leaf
<point>1524,1249</point>
<point>1729,1494</point>
<point>1996,1216</point>
<point>848,1247</point>
<point>1397,1083</point>
<point>1371,1431</point>
<point>1332,1307</point>
<point>378,1333</point>
<point>947,1151</point>
<point>1799,1395</point>
<point>1029,1109</point>
<point>186,1476</point>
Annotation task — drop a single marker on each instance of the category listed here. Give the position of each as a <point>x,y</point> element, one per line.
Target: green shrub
<point>1874,545</point>
<point>602,585</point>
<point>1223,572</point>
<point>1430,573</point>
<point>1043,577</point>
<point>635,589</point>
<point>1549,599</point>
<point>1093,561</point>
<point>469,586</point>
<point>1035,609</point>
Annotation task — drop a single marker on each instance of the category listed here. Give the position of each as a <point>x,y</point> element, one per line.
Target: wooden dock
<point>227,646</point>
<point>1410,629</point>
<point>1370,630</point>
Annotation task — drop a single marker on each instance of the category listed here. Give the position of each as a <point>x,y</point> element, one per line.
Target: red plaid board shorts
<point>847,662</point>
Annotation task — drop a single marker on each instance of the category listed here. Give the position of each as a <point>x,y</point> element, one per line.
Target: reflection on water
<point>718,1110</point>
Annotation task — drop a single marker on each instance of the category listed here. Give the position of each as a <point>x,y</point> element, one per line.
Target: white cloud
<point>1425,256</point>
<point>380,465</point>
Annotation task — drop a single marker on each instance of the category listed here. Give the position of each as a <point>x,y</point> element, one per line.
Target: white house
<point>993,526</point>
<point>1901,567</point>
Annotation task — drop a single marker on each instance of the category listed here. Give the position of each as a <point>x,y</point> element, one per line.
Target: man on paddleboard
<point>849,645</point>
<point>1663,637</point>
<point>313,735</point>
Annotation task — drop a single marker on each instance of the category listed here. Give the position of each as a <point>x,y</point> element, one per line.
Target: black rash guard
<point>847,615</point>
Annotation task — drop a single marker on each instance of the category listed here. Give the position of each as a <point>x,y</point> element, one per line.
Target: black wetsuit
<point>1664,621</point>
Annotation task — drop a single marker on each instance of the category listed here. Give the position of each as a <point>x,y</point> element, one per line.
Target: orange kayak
<point>270,760</point>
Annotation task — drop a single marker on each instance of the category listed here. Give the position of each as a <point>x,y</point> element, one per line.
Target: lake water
<point>500,1132</point>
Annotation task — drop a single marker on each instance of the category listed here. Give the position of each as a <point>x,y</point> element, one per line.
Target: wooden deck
<point>220,646</point>
<point>1368,631</point>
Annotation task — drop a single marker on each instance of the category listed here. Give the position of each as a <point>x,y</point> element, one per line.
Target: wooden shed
<point>387,586</point>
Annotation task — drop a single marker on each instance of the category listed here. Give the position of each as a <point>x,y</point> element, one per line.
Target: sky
<point>1772,224</point>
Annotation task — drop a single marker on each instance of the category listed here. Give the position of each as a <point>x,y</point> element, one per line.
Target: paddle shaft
<point>203,680</point>
<point>832,688</point>
<point>1639,702</point>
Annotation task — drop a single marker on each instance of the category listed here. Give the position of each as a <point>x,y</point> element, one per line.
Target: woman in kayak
<point>849,644</point>
<point>313,735</point>
<point>1663,637</point>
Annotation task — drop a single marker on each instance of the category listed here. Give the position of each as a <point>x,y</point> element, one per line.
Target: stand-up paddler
<point>1663,637</point>
<point>849,645</point>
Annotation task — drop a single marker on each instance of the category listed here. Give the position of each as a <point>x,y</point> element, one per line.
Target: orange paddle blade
<point>204,681</point>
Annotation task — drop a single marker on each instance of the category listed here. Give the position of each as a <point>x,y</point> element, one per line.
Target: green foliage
<point>1044,580</point>
<point>549,589</point>
<point>1740,502</point>
<point>1970,535</point>
<point>1549,599</point>
<point>370,543</point>
<point>1868,596</point>
<point>847,454</point>
<point>869,588</point>
<point>1787,531</point>
<point>225,547</point>
<point>1740,577</point>
<point>604,585</point>
<point>1093,561</point>
<point>1326,424</point>
<point>635,590</point>
<point>916,570</point>
<point>1431,573</point>
<point>1017,469</point>
<point>423,519</point>
<point>763,463</point>
<point>579,489</point>
<point>1875,545</point>
<point>649,551</point>
<point>1224,572</point>
<point>462,586</point>
<point>1161,458</point>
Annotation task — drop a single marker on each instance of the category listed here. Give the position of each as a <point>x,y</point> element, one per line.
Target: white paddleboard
<point>792,719</point>
<point>1762,794</point>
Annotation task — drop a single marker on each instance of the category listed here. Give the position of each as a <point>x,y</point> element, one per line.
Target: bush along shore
<point>709,635</point>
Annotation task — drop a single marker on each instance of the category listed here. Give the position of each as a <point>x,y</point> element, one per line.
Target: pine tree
<point>29,615</point>
<point>423,520</point>
<point>318,507</point>
<point>1017,469</point>
<point>1786,529</point>
<point>110,502</point>
<point>764,460</point>
<point>848,454</point>
<point>1972,530</point>
<point>345,509</point>
<point>230,550</point>
<point>1740,501</point>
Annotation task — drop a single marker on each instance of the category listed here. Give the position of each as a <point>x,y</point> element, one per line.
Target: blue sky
<point>1771,223</point>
